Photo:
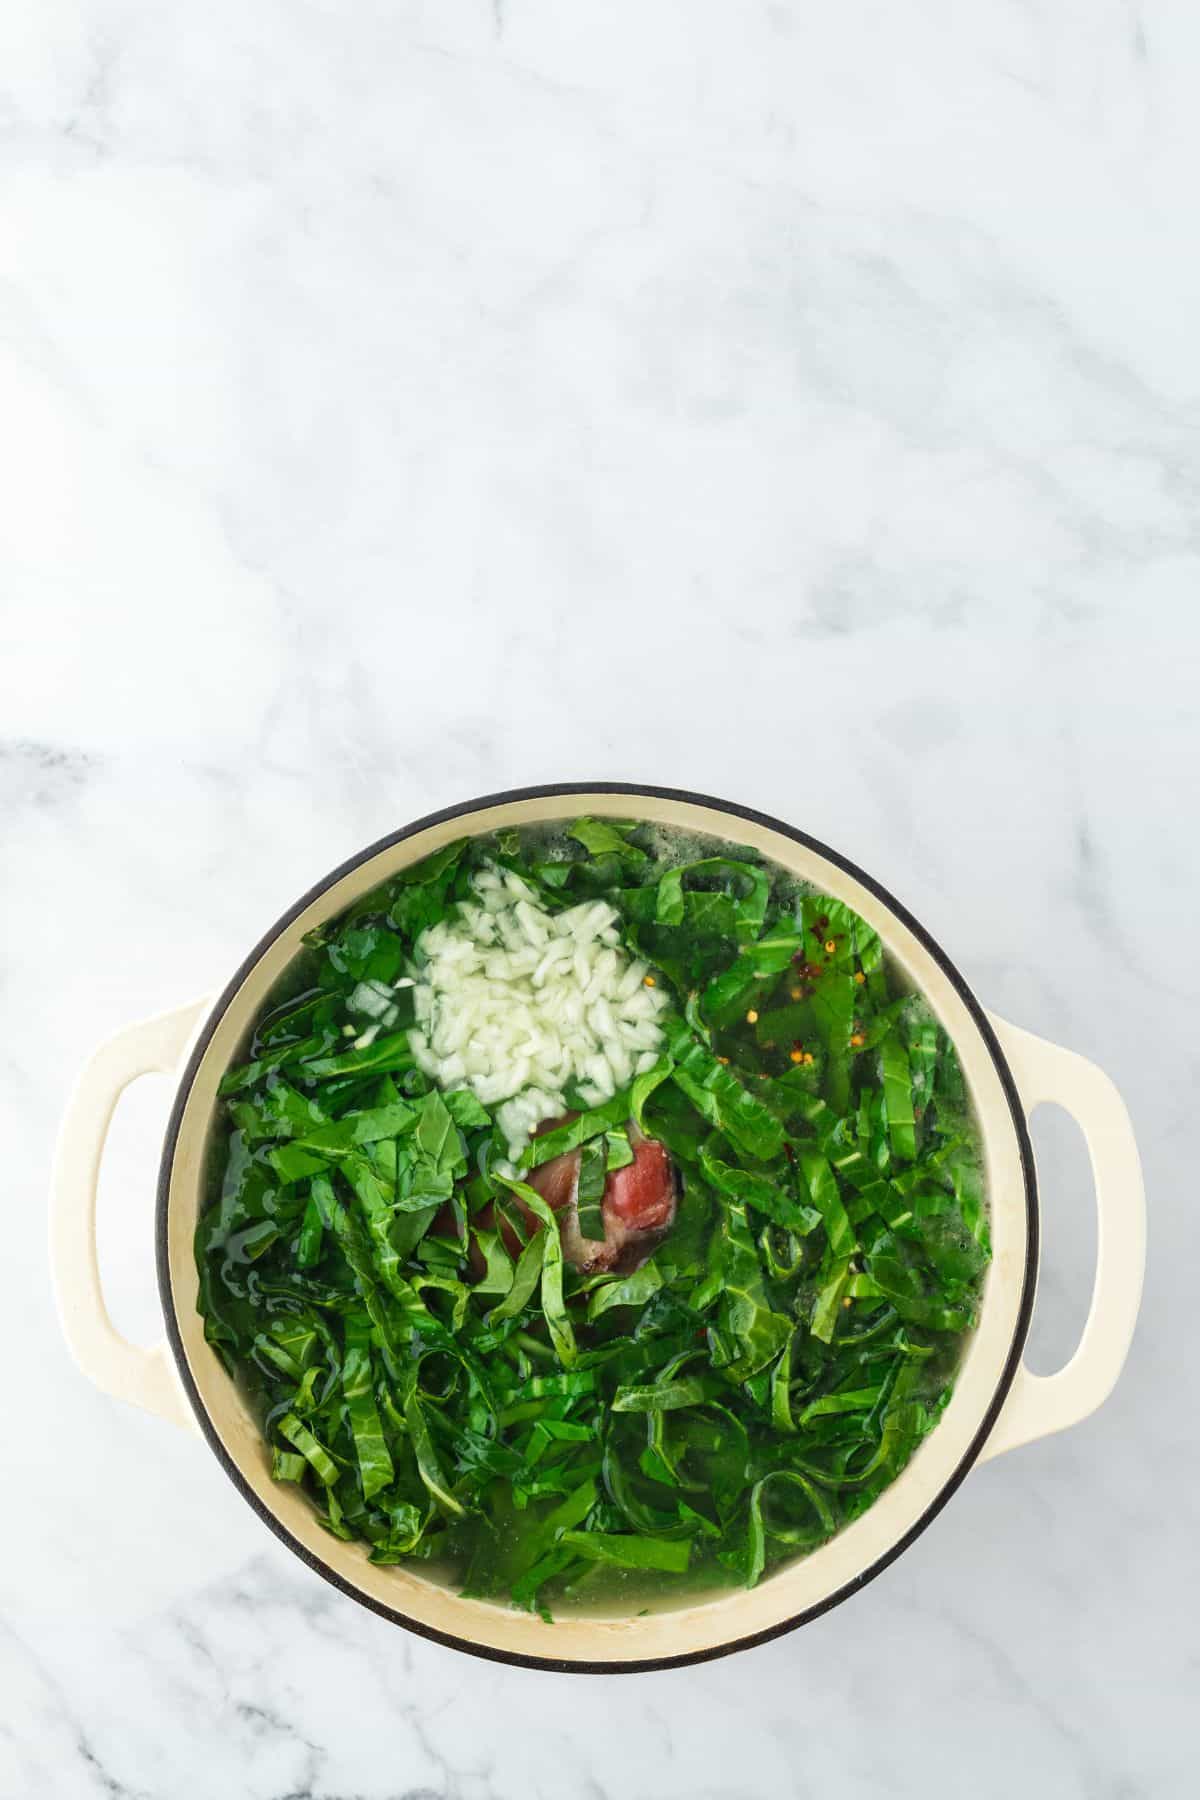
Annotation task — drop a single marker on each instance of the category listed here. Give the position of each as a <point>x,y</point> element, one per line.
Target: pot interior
<point>698,1625</point>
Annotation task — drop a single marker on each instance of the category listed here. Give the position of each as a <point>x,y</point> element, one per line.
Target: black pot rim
<point>558,1665</point>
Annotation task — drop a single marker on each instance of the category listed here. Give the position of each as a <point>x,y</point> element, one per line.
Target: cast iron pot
<point>997,1402</point>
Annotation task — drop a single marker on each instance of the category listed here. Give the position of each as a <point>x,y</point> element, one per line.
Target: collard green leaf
<point>391,1051</point>
<point>765,1195</point>
<point>406,1527</point>
<point>497,1277</point>
<point>312,1233</point>
<point>524,1281</point>
<point>374,1458</point>
<point>720,1097</point>
<point>436,1142</point>
<point>366,1127</point>
<point>249,1074</point>
<point>922,1055</point>
<point>663,1396</point>
<point>562,1334</point>
<point>833,1005</point>
<point>813,1523</point>
<point>896,1278</point>
<point>747,886</point>
<point>898,1098</point>
<point>433,868</point>
<point>753,973</point>
<point>644,1085</point>
<point>752,1387</point>
<point>378,1212</point>
<point>854,1401</point>
<point>428,1464</point>
<point>627,1290</point>
<point>314,1453</point>
<point>824,1195</point>
<point>466,1110</point>
<point>829,1299</point>
<point>968,1189</point>
<point>625,1551</point>
<point>781,1389</point>
<point>744,1311</point>
<point>292,1162</point>
<point>367,953</point>
<point>603,837</point>
<point>618,1152</point>
<point>590,1123</point>
<point>589,1192</point>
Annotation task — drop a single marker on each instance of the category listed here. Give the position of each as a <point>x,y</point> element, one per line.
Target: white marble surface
<point>401,400</point>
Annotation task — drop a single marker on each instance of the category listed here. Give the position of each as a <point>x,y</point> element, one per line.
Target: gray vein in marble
<point>97,1775</point>
<point>40,775</point>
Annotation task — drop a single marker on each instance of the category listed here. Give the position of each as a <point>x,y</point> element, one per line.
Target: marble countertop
<point>406,400</point>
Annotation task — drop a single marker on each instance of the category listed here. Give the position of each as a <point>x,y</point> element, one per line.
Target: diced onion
<point>517,1003</point>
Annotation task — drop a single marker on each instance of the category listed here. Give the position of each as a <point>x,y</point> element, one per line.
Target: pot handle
<point>144,1376</point>
<point>1038,1405</point>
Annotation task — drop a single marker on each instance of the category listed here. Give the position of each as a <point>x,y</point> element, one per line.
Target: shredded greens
<point>431,1368</point>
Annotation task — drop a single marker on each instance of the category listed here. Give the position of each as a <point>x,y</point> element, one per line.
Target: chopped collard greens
<point>408,1309</point>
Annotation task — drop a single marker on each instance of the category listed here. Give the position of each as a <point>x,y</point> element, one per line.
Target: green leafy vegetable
<point>554,1311</point>
<point>898,1098</point>
<point>752,974</point>
<point>315,1454</point>
<point>429,1467</point>
<point>746,1318</point>
<point>802,1534</point>
<point>525,1279</point>
<point>632,1290</point>
<point>589,1188</point>
<point>401,1307</point>
<point>765,1195</point>
<point>389,1052</point>
<point>374,1459</point>
<point>628,1552</point>
<point>748,888</point>
<point>826,1199</point>
<point>643,1089</point>
<point>721,1098</point>
<point>602,837</point>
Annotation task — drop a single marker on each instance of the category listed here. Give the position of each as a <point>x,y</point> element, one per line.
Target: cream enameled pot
<point>997,1402</point>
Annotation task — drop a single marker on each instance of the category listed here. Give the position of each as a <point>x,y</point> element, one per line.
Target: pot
<point>997,1403</point>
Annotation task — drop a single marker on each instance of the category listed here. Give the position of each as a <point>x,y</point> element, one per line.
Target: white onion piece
<point>516,1003</point>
